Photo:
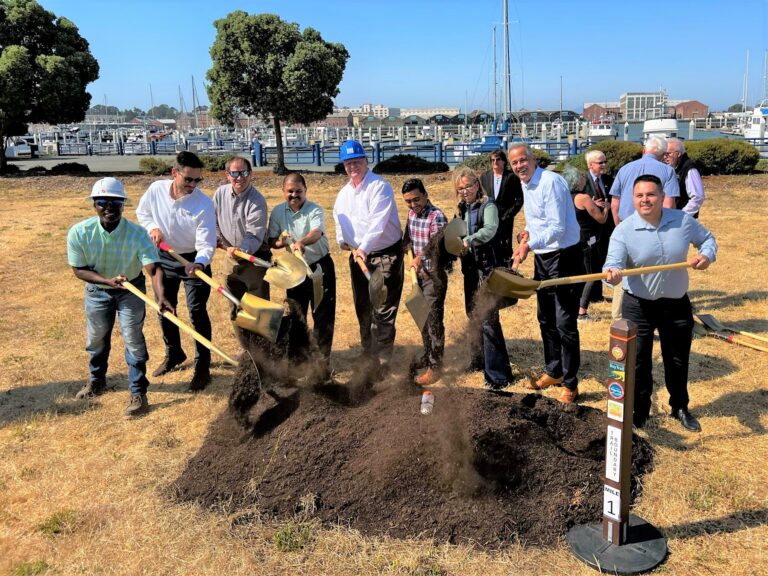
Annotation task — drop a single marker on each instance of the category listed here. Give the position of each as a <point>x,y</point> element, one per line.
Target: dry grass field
<point>84,491</point>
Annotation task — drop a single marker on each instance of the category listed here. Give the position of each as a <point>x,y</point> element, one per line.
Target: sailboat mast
<point>507,105</point>
<point>495,107</point>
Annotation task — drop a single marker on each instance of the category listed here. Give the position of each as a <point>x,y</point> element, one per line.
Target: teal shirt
<point>299,224</point>
<point>126,250</point>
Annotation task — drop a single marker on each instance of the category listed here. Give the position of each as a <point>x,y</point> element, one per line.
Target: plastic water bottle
<point>427,403</point>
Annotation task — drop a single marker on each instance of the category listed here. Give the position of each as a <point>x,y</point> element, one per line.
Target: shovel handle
<point>252,259</point>
<point>602,275</point>
<point>363,267</point>
<point>412,269</point>
<point>200,274</point>
<point>168,316</point>
<point>734,340</point>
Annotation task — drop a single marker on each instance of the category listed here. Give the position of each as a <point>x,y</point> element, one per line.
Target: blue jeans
<point>101,307</point>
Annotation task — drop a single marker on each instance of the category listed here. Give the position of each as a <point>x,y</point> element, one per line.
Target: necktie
<point>599,189</point>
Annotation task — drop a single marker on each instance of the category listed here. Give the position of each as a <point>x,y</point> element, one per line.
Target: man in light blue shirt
<point>552,233</point>
<point>650,236</point>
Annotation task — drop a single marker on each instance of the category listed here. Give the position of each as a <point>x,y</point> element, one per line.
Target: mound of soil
<point>485,467</point>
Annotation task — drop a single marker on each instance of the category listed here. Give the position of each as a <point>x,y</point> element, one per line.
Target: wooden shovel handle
<point>412,269</point>
<point>168,316</point>
<point>363,267</point>
<point>200,274</point>
<point>602,275</point>
<point>734,340</point>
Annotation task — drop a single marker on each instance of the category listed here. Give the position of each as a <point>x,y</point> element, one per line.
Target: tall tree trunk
<point>280,168</point>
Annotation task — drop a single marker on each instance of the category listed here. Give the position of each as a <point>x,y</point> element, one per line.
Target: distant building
<point>644,105</point>
<point>335,120</point>
<point>596,111</point>
<point>428,112</point>
<point>688,109</point>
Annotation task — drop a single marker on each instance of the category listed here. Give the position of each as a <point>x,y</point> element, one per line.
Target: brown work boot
<point>200,379</point>
<point>90,390</point>
<point>169,364</point>
<point>137,406</point>
<point>544,382</point>
<point>430,376</point>
<point>568,396</point>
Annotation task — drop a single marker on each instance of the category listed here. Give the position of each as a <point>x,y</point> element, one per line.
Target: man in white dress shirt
<point>178,213</point>
<point>367,224</point>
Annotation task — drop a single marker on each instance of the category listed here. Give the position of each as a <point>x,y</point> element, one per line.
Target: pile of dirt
<point>485,467</point>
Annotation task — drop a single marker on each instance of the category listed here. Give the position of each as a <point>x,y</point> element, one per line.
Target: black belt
<point>394,249</point>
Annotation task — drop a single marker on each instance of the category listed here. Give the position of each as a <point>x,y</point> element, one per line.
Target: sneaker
<point>568,396</point>
<point>90,390</point>
<point>200,379</point>
<point>169,364</point>
<point>137,406</point>
<point>430,376</point>
<point>585,318</point>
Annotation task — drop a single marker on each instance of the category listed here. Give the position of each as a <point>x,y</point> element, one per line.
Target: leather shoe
<point>544,382</point>
<point>429,377</point>
<point>687,419</point>
<point>91,389</point>
<point>169,364</point>
<point>568,396</point>
<point>200,379</point>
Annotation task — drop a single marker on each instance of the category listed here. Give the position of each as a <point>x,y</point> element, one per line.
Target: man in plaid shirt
<point>424,223</point>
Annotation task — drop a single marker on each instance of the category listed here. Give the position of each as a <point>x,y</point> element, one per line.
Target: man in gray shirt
<point>242,224</point>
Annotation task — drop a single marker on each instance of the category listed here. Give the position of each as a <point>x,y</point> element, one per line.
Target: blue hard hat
<point>351,149</point>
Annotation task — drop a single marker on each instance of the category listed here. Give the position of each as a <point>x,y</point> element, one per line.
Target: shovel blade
<point>418,306</point>
<point>260,316</point>
<point>377,290</point>
<point>452,235</point>
<point>711,322</point>
<point>317,287</point>
<point>503,283</point>
<point>287,271</point>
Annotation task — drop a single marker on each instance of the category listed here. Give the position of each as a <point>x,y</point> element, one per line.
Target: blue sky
<point>439,52</point>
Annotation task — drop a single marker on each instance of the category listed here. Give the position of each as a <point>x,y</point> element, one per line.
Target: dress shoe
<point>687,419</point>
<point>429,377</point>
<point>169,364</point>
<point>544,382</point>
<point>568,396</point>
<point>200,379</point>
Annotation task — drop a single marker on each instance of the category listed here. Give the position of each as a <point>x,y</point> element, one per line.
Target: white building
<point>644,105</point>
<point>428,112</point>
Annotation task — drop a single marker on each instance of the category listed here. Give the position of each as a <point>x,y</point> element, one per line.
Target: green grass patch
<point>59,523</point>
<point>31,568</point>
<point>293,537</point>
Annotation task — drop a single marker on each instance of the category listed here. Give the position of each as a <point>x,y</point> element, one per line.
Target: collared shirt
<point>298,224</point>
<point>241,219</point>
<point>188,224</point>
<point>625,181</point>
<point>550,216</point>
<point>366,215</point>
<point>695,189</point>
<point>422,227</point>
<point>598,185</point>
<point>125,250</point>
<point>496,184</point>
<point>636,243</point>
<point>478,236</point>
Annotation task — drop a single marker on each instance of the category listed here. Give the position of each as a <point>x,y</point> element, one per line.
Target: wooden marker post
<point>624,543</point>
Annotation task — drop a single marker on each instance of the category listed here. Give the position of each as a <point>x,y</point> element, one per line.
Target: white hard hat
<point>108,188</point>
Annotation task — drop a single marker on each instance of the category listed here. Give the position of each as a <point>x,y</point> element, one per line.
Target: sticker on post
<point>617,375</point>
<point>616,390</point>
<point>611,503</point>
<point>618,366</point>
<point>613,453</point>
<point>617,352</point>
<point>616,410</point>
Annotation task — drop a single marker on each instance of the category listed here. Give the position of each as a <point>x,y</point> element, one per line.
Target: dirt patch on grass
<point>485,467</point>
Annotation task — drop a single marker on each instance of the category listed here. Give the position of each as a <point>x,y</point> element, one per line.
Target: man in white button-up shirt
<point>178,213</point>
<point>367,224</point>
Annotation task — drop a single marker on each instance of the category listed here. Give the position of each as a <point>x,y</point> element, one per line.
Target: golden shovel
<point>315,275</point>
<point>285,272</point>
<point>452,236</point>
<point>254,314</point>
<point>503,283</point>
<point>377,290</point>
<point>168,316</point>
<point>416,303</point>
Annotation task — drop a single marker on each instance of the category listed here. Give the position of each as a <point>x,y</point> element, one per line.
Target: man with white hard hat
<point>367,224</point>
<point>105,251</point>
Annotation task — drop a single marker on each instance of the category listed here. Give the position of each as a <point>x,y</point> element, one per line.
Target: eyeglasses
<point>190,180</point>
<point>239,173</point>
<point>104,202</point>
<point>467,189</point>
<point>602,162</point>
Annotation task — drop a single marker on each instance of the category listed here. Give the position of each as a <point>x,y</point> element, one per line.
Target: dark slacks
<point>674,320</point>
<point>197,293</point>
<point>591,255</point>
<point>433,334</point>
<point>492,357</point>
<point>377,326</point>
<point>324,317</point>
<point>557,312</point>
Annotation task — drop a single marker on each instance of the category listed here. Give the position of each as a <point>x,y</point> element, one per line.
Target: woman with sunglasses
<point>483,251</point>
<point>178,213</point>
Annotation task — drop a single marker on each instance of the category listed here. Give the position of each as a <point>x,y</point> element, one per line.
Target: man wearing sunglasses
<point>178,213</point>
<point>241,224</point>
<point>105,251</point>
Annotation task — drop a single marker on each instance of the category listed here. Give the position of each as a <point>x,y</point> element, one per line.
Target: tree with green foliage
<point>45,66</point>
<point>264,66</point>
<point>162,111</point>
<point>735,108</point>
